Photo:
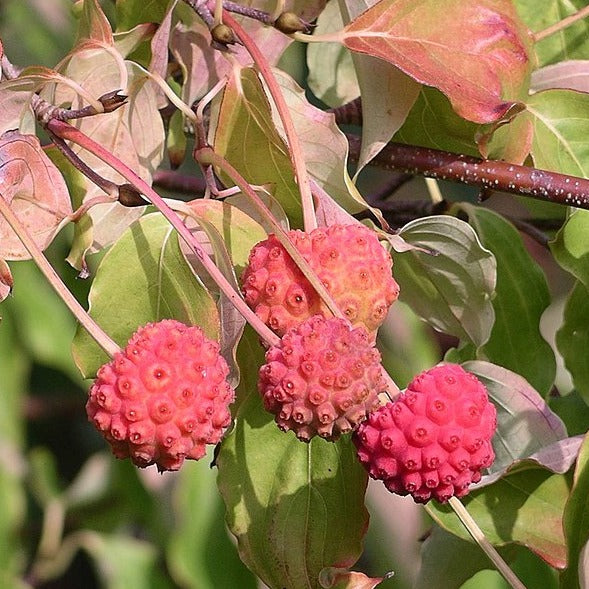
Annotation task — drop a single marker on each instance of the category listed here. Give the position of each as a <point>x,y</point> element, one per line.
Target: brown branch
<point>176,182</point>
<point>485,174</point>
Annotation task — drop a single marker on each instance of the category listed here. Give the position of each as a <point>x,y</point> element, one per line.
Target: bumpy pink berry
<point>348,259</point>
<point>164,397</point>
<point>434,439</point>
<point>322,378</point>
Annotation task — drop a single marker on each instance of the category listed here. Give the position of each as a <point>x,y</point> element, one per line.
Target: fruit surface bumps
<point>164,397</point>
<point>322,378</point>
<point>434,439</point>
<point>348,259</point>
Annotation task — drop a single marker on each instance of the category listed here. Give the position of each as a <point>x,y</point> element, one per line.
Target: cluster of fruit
<point>165,396</point>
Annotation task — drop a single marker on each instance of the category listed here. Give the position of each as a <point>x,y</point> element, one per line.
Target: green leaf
<point>245,119</point>
<point>295,508</point>
<point>200,554</point>
<point>572,339</point>
<point>453,559</point>
<point>570,247</point>
<point>573,411</point>
<point>561,124</point>
<point>331,71</point>
<point>130,13</point>
<point>524,507</point>
<point>576,519</point>
<point>570,43</point>
<point>432,123</point>
<point>146,272</point>
<point>451,290</point>
<point>521,297</point>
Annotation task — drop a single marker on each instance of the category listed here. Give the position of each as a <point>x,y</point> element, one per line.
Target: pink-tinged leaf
<point>387,94</point>
<point>525,423</point>
<point>35,191</point>
<point>204,65</point>
<point>524,507</point>
<point>128,41</point>
<point>557,457</point>
<point>16,111</point>
<point>474,51</point>
<point>159,51</point>
<point>6,280</point>
<point>572,74</point>
<point>94,24</point>
<point>334,578</point>
<point>134,133</point>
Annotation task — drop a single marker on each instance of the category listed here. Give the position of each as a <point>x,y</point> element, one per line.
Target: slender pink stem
<point>295,149</point>
<point>206,156</point>
<point>102,339</point>
<point>561,24</point>
<point>69,133</point>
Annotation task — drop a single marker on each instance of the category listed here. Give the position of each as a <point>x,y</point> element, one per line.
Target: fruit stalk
<point>206,156</point>
<point>479,537</point>
<point>102,339</point>
<point>295,149</point>
<point>69,133</point>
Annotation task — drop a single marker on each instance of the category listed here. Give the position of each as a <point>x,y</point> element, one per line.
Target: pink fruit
<point>322,378</point>
<point>348,259</point>
<point>434,439</point>
<point>164,397</point>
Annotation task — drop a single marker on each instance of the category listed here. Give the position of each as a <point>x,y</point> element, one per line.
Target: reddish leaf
<point>34,189</point>
<point>334,578</point>
<point>474,51</point>
<point>6,281</point>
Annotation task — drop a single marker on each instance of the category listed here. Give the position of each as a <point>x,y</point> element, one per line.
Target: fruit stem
<point>206,156</point>
<point>479,537</point>
<point>69,133</point>
<point>561,24</point>
<point>295,150</point>
<point>102,339</point>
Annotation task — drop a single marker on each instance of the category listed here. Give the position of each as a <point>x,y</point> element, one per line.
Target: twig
<point>486,174</point>
<point>254,13</point>
<point>479,537</point>
<point>102,339</point>
<point>69,133</point>
<point>561,24</point>
<point>170,180</point>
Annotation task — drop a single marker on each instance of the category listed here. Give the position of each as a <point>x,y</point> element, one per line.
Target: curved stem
<point>479,537</point>
<point>295,150</point>
<point>207,156</point>
<point>561,24</point>
<point>102,339</point>
<point>69,133</point>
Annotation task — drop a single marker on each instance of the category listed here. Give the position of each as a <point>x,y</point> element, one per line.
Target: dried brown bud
<point>130,197</point>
